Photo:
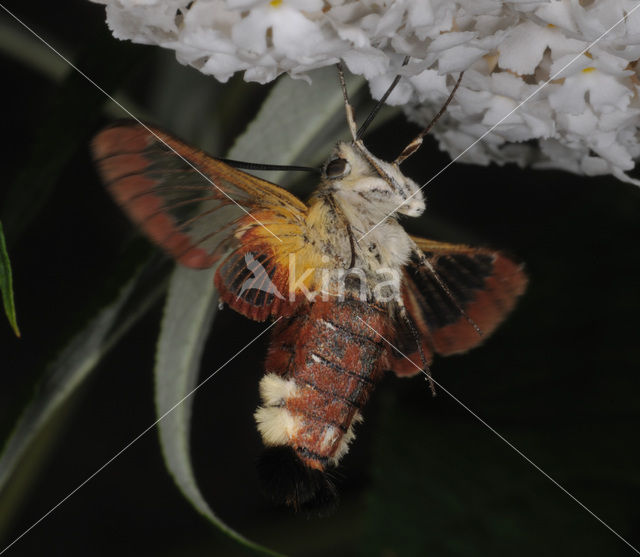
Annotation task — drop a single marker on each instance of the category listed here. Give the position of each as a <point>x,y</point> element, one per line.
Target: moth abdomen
<point>322,365</point>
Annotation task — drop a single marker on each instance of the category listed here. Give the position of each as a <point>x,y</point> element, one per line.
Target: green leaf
<point>65,374</point>
<point>17,43</point>
<point>61,379</point>
<point>192,296</point>
<point>287,125</point>
<point>298,123</point>
<point>6,284</point>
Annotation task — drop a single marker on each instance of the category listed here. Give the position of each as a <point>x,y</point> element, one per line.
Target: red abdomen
<point>321,367</point>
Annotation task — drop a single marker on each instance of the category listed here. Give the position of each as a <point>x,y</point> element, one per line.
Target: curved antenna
<point>414,145</point>
<point>351,118</point>
<point>380,103</point>
<point>260,166</point>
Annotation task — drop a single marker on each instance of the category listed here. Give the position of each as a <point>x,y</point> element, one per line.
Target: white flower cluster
<point>586,120</point>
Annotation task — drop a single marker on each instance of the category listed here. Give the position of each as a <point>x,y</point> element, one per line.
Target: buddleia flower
<point>584,120</point>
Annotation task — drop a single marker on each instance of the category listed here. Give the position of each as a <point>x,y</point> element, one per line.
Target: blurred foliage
<point>6,284</point>
<point>559,380</point>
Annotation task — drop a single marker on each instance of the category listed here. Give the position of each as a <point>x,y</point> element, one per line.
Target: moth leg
<point>404,315</point>
<point>352,242</point>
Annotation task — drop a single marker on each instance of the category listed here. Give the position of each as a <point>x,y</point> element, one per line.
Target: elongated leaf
<point>298,123</point>
<point>20,45</point>
<point>67,373</point>
<point>17,43</point>
<point>6,284</point>
<point>62,378</point>
<point>288,123</point>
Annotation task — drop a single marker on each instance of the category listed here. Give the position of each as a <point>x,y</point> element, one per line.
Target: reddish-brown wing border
<point>175,192</point>
<point>481,288</point>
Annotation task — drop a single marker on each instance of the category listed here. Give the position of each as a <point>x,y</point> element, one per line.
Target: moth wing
<point>406,359</point>
<point>198,208</point>
<point>483,287</point>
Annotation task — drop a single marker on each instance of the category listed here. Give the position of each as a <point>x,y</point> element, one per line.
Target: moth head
<point>358,176</point>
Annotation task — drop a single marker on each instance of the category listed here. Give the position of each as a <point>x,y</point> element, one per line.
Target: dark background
<point>559,380</point>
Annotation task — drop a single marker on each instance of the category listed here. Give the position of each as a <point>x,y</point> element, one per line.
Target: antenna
<point>414,145</point>
<point>380,103</point>
<point>261,166</point>
<point>351,118</point>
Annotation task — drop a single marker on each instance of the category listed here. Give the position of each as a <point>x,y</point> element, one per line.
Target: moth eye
<point>337,168</point>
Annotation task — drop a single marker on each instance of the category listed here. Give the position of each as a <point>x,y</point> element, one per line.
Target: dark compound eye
<point>337,168</point>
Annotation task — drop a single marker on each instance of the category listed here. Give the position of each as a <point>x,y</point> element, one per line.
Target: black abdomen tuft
<point>287,481</point>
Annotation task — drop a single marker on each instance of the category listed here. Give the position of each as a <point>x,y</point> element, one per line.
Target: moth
<point>353,294</point>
